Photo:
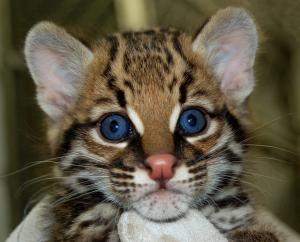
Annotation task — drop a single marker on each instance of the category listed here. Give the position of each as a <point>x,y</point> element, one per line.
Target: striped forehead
<point>150,72</point>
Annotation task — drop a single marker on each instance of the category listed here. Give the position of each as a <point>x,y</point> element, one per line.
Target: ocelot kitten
<point>154,121</point>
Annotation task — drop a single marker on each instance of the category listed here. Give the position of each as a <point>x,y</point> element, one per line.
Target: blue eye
<point>192,121</point>
<point>115,127</point>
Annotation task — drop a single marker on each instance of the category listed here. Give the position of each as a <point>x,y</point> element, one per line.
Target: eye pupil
<point>192,121</point>
<point>115,127</point>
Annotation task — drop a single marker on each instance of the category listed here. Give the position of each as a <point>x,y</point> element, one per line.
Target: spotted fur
<point>149,76</point>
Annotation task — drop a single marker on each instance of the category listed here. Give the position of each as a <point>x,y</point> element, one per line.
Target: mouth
<point>162,205</point>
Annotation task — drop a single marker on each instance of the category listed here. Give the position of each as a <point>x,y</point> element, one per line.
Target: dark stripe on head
<point>121,98</point>
<point>188,80</point>
<point>178,48</point>
<point>238,131</point>
<point>114,46</point>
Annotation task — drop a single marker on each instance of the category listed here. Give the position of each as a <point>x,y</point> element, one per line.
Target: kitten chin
<point>163,206</point>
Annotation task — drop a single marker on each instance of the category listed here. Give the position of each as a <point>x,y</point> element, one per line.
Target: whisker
<point>285,162</point>
<point>31,165</point>
<point>273,147</point>
<point>270,122</point>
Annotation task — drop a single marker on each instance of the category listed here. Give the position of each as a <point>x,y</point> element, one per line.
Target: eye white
<point>174,117</point>
<point>213,127</point>
<point>135,119</point>
<point>97,139</point>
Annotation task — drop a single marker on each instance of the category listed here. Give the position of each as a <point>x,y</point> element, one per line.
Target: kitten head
<point>153,120</point>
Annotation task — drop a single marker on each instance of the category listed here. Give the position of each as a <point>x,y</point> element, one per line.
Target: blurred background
<point>274,162</point>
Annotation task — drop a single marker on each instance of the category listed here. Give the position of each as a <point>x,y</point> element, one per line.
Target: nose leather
<point>161,166</point>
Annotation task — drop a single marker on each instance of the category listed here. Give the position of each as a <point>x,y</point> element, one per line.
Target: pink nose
<point>161,166</point>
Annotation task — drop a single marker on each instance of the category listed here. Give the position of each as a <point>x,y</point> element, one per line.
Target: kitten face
<point>153,98</point>
<point>146,94</point>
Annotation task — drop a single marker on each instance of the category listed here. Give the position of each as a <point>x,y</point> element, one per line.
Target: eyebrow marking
<point>174,117</point>
<point>135,120</point>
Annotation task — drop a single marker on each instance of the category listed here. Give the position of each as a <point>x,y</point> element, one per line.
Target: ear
<point>229,42</point>
<point>57,62</point>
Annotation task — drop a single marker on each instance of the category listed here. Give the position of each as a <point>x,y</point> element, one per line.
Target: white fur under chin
<point>162,205</point>
<point>193,227</point>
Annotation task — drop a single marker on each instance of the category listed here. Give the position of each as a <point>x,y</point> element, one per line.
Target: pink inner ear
<point>54,89</point>
<point>233,62</point>
<point>47,63</point>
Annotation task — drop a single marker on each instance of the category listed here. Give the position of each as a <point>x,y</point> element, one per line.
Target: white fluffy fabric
<point>193,227</point>
<point>36,226</point>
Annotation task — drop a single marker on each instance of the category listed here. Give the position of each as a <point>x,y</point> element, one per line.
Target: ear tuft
<point>57,62</point>
<point>229,43</point>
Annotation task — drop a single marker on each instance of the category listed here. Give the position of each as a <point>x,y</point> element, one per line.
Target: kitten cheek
<point>189,180</point>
